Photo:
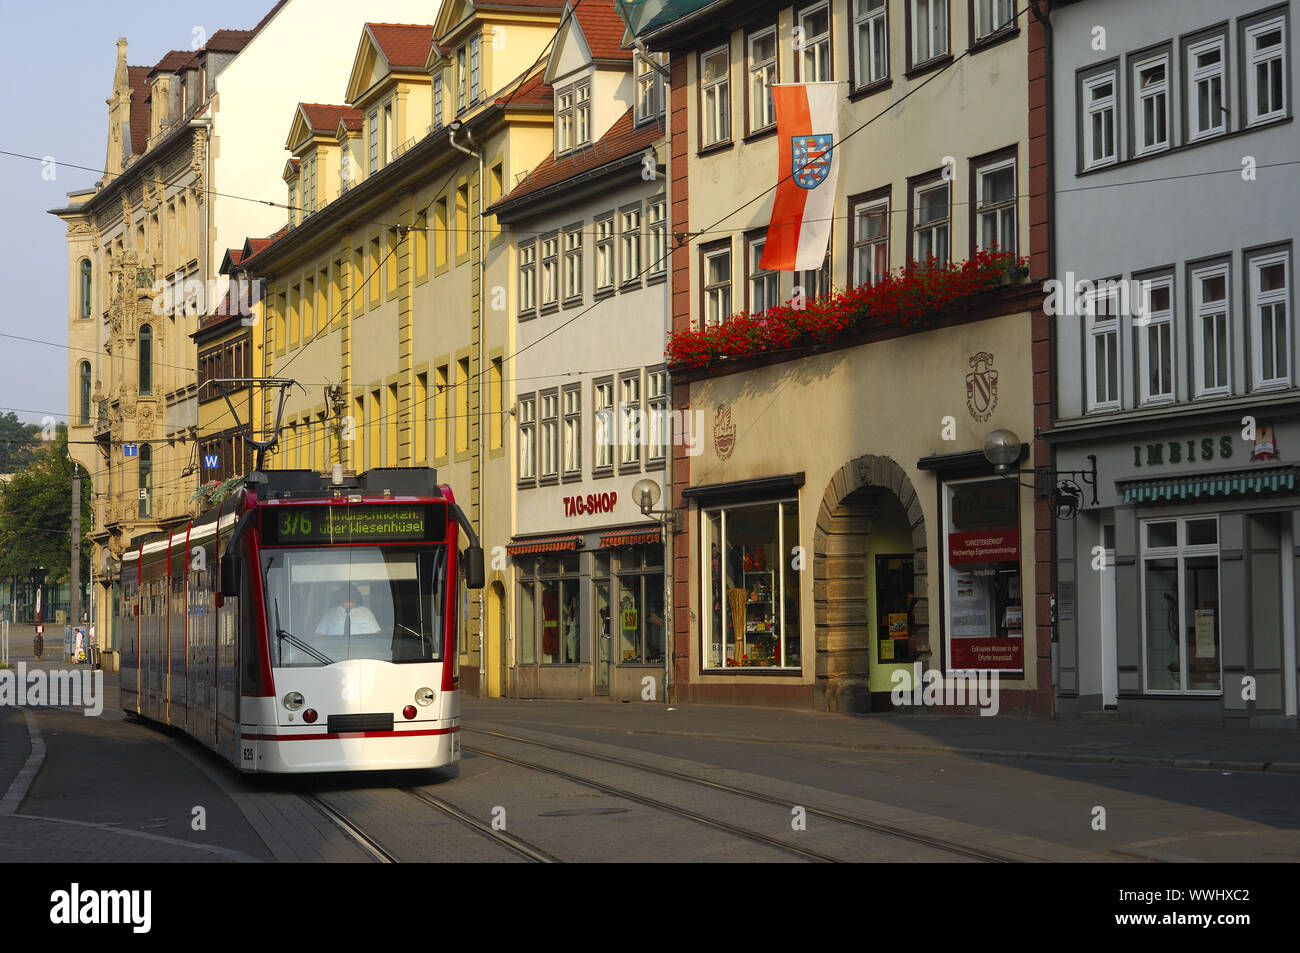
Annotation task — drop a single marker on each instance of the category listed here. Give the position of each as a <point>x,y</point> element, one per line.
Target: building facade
<point>589,229</point>
<point>843,528</point>
<point>1175,220</point>
<point>387,297</point>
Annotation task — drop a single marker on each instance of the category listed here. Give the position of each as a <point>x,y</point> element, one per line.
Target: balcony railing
<point>643,15</point>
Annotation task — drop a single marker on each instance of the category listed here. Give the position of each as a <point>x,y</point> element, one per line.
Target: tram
<point>307,624</point>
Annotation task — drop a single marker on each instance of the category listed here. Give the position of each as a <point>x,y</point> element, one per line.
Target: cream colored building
<point>837,480</point>
<point>388,298</point>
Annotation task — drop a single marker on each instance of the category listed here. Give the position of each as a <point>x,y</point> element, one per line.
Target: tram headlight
<point>424,696</point>
<point>293,701</point>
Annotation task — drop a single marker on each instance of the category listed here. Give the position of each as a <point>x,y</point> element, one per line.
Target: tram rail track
<point>936,843</point>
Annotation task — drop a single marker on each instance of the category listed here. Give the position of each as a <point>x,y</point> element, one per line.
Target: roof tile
<point>404,45</point>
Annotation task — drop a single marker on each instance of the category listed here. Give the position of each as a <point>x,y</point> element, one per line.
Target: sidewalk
<point>1176,746</point>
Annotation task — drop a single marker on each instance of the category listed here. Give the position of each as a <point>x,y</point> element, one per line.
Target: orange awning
<point>553,544</point>
<point>639,538</point>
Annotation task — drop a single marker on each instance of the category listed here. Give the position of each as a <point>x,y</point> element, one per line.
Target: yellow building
<point>388,297</point>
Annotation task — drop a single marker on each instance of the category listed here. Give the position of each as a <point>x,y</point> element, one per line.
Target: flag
<point>807,130</point>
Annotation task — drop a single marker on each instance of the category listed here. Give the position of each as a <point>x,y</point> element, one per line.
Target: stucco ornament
<point>982,387</point>
<point>724,432</point>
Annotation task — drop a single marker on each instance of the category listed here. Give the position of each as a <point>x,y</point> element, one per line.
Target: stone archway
<point>840,598</point>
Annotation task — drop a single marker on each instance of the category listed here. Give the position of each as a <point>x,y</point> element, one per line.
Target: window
<point>1181,619</point>
<point>995,206</point>
<point>630,425</point>
<point>1206,79</point>
<point>390,133</point>
<point>441,246</point>
<point>550,415</point>
<point>639,614</point>
<point>461,79</point>
<point>660,420</point>
<point>294,217</point>
<point>762,77</point>
<point>631,240</point>
<point>870,221</point>
<point>420,245</point>
<point>1270,330</point>
<point>550,270</point>
<point>372,273</point>
<point>572,431</point>
<point>1151,119</point>
<point>870,42</point>
<point>549,603</point>
<point>992,16</point>
<point>573,265</point>
<point>146,481</point>
<point>372,122</point>
<point>602,420</point>
<point>657,228</point>
<point>83,377</point>
<point>421,418</point>
<point>1155,332</point>
<point>984,606</point>
<point>564,122</point>
<point>1265,52</point>
<point>462,405</point>
<point>932,231</point>
<point>527,277</point>
<point>1099,120</point>
<point>715,90</point>
<point>749,587</point>
<point>814,60</point>
<point>649,87</point>
<point>605,254</point>
<point>582,115</point>
<point>308,309</point>
<point>496,403</point>
<point>527,438</point>
<point>815,283</point>
<point>437,101</point>
<point>441,383</point>
<point>309,183</point>
<point>1210,343</point>
<point>473,70</point>
<point>929,30</point>
<point>717,285</point>
<point>462,221</point>
<point>85,288</point>
<point>390,436</point>
<point>375,433</point>
<point>146,361</point>
<point>1102,317</point>
<point>764,286</point>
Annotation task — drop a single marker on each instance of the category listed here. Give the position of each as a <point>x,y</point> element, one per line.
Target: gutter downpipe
<point>478,378</point>
<point>1048,95</point>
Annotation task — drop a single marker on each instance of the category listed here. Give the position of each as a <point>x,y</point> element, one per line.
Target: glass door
<point>603,640</point>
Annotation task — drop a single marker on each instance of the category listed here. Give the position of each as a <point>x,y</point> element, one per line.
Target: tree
<point>36,515</point>
<point>18,443</point>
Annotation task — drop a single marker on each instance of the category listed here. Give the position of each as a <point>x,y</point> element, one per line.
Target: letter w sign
<point>210,461</point>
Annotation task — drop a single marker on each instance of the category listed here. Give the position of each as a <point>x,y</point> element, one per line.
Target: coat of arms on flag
<point>812,160</point>
<point>807,121</point>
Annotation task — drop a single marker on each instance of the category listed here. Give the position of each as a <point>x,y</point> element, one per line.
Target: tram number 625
<point>248,754</point>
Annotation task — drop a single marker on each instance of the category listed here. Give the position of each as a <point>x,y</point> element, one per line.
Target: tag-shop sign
<point>591,503</point>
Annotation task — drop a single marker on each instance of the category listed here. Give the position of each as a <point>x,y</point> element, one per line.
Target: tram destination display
<point>353,523</point>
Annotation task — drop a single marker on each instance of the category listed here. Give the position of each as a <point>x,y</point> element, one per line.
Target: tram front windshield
<point>332,604</point>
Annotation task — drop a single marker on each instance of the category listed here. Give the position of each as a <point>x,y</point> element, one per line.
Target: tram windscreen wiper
<point>296,642</point>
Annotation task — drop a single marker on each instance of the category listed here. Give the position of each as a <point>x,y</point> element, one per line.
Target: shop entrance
<point>869,546</point>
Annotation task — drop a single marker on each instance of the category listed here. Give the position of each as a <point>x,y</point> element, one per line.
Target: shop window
<point>640,612</point>
<point>895,609</point>
<point>751,587</point>
<point>983,598</point>
<point>1180,605</point>
<point>550,620</point>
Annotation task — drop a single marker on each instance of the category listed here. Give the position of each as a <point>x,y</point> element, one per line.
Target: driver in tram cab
<point>347,616</point>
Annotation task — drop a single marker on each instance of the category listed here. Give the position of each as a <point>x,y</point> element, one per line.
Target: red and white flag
<point>807,130</point>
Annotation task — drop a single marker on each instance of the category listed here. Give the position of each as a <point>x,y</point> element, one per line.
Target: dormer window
<point>372,123</point>
<point>309,185</point>
<point>649,87</point>
<point>390,133</point>
<point>573,117</point>
<point>293,202</point>
<point>437,100</point>
<point>473,70</point>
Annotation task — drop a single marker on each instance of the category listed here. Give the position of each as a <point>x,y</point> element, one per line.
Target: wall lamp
<point>1059,487</point>
<point>646,494</point>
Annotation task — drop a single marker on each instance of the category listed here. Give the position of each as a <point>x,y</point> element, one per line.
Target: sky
<point>54,79</point>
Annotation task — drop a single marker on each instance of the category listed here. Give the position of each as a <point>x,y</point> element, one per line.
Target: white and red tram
<point>305,625</point>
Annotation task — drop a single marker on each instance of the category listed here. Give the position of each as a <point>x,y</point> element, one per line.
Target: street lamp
<point>646,494</point>
<point>1002,449</point>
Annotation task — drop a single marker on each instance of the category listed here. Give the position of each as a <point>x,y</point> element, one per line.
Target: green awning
<point>643,15</point>
<point>1197,486</point>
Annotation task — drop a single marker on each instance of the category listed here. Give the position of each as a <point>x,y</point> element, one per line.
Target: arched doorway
<point>869,496</point>
<point>496,628</point>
